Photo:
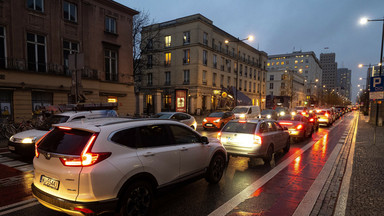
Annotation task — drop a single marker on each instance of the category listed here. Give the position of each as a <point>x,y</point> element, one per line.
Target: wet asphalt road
<point>279,196</point>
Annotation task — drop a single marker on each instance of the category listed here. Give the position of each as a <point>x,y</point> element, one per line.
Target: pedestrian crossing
<point>16,164</point>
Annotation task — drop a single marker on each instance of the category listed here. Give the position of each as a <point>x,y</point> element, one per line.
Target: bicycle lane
<point>281,191</point>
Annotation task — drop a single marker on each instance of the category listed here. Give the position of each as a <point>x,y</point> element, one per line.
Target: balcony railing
<point>44,68</point>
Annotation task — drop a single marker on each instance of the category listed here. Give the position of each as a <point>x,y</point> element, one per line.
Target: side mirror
<point>204,140</point>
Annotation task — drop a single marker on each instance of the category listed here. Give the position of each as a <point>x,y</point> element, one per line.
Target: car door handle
<point>184,149</point>
<point>148,154</point>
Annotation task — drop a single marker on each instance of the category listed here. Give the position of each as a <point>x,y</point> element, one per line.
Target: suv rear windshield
<point>239,127</point>
<point>70,142</point>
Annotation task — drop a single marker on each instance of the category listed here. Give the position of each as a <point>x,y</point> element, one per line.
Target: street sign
<point>377,84</point>
<point>376,95</point>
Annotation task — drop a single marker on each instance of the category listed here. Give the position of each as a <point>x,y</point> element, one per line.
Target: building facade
<point>37,67</point>
<point>304,63</point>
<point>286,83</point>
<point>187,60</point>
<point>329,65</point>
<point>344,82</point>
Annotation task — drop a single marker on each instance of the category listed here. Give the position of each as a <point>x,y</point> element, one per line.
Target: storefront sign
<point>181,100</point>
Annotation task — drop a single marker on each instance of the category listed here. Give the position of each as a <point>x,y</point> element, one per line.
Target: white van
<point>247,112</point>
<point>24,142</point>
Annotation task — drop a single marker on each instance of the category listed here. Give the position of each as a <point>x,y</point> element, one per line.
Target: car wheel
<point>269,155</point>
<point>216,169</point>
<point>252,162</point>
<point>287,146</point>
<point>137,199</point>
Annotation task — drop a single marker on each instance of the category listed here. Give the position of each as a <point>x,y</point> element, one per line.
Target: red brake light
<point>84,210</point>
<point>298,127</point>
<point>285,123</point>
<point>37,153</point>
<point>257,140</point>
<point>326,115</point>
<point>312,120</point>
<point>303,113</point>
<point>65,128</point>
<point>242,121</point>
<point>87,158</point>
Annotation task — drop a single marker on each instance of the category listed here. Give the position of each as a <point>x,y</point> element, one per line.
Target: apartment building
<point>44,44</point>
<point>329,65</point>
<point>305,64</point>
<point>344,82</point>
<point>190,67</point>
<point>286,83</point>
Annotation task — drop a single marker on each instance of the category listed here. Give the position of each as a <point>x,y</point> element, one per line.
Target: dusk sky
<point>283,26</point>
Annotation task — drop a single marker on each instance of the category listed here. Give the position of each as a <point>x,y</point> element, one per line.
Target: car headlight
<point>217,121</point>
<point>205,120</point>
<point>282,113</point>
<point>242,116</point>
<point>29,140</point>
<point>11,139</point>
<point>293,113</point>
<point>269,116</point>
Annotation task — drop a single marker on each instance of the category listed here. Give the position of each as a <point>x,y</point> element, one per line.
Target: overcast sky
<point>282,26</point>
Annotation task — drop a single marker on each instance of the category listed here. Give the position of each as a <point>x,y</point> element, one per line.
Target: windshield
<point>55,119</point>
<point>291,118</point>
<point>162,116</point>
<point>266,112</point>
<point>280,109</point>
<point>238,127</point>
<point>216,114</point>
<point>240,110</point>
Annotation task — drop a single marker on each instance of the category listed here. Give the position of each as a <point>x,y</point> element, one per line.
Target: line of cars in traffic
<point>88,166</point>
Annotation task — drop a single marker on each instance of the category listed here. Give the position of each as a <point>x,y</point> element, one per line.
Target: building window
<point>229,82</point>
<point>205,38</point>
<point>186,76</point>
<point>70,11</point>
<point>254,87</point>
<point>149,61</point>
<point>110,25</point>
<point>271,77</point>
<point>214,79</point>
<point>110,57</point>
<point>241,70</point>
<point>220,46</point>
<point>296,61</point>
<point>270,85</point>
<point>36,53</point>
<point>167,41</point>
<point>69,48</point>
<point>240,84</point>
<point>258,88</point>
<point>205,57</point>
<point>149,79</point>
<point>149,44</point>
<point>245,85</point>
<point>228,62</point>
<point>187,37</point>
<point>204,77</point>
<point>222,81</point>
<point>167,101</point>
<point>186,58</point>
<point>167,78</point>
<point>41,99</point>
<point>250,85</point>
<point>245,71</point>
<point>222,64</point>
<point>167,59</point>
<point>282,85</point>
<point>37,5</point>
<point>3,52</point>
<point>214,61</point>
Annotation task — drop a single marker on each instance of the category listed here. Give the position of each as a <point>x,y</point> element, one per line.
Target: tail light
<point>219,136</point>
<point>87,158</point>
<point>326,115</point>
<point>37,153</point>
<point>299,127</point>
<point>257,140</point>
<point>311,120</point>
<point>303,113</point>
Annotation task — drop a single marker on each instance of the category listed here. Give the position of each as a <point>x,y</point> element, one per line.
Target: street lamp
<point>237,41</point>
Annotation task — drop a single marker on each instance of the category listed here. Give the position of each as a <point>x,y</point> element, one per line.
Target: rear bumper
<point>67,206</point>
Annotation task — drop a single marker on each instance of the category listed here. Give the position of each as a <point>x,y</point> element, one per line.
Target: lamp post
<point>237,41</point>
<point>364,21</point>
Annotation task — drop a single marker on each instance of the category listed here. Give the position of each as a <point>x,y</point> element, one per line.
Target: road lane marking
<point>342,199</point>
<point>308,202</point>
<point>247,192</point>
<point>18,206</point>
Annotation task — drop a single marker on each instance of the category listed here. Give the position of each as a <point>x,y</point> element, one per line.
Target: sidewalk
<point>364,189</point>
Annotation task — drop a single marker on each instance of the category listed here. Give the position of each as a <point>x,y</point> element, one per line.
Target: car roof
<point>72,113</point>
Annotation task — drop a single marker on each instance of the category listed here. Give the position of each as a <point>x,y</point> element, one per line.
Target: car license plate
<point>208,125</point>
<point>49,182</point>
<point>12,148</point>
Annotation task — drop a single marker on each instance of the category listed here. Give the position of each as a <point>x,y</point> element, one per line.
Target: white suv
<point>114,165</point>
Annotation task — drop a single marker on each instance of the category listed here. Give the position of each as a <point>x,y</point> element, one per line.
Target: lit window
<point>282,63</point>
<point>70,11</point>
<point>268,64</point>
<point>167,59</point>
<point>110,25</point>
<point>112,99</point>
<point>296,61</point>
<point>167,41</point>
<point>186,57</point>
<point>277,63</point>
<point>186,37</point>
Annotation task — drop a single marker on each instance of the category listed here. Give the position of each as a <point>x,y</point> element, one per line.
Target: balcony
<point>167,63</point>
<point>45,68</point>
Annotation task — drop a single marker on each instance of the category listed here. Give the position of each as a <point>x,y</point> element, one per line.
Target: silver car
<point>258,138</point>
<point>178,116</point>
